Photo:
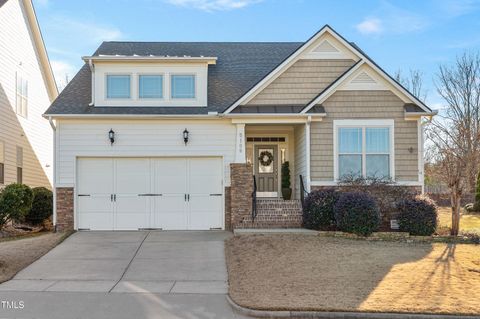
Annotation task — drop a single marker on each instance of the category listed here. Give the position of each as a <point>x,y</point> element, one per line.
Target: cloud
<point>213,5</point>
<point>89,30</point>
<point>456,8</point>
<point>370,26</point>
<point>63,72</point>
<point>391,19</point>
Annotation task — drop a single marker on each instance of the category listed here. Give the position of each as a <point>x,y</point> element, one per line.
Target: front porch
<point>262,196</point>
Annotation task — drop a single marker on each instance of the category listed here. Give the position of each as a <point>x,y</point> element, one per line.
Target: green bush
<point>42,206</point>
<point>476,205</point>
<point>15,202</point>
<point>417,216</point>
<point>286,175</point>
<point>318,209</point>
<point>357,212</point>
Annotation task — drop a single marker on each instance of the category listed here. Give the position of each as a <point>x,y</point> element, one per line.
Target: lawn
<point>302,272</point>
<point>468,222</point>
<point>18,253</point>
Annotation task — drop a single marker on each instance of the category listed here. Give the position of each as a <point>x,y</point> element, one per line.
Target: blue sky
<point>402,35</point>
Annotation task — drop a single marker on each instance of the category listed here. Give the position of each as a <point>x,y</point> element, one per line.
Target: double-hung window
<point>182,86</point>
<point>118,86</point>
<point>22,96</point>
<point>150,86</point>
<point>364,149</point>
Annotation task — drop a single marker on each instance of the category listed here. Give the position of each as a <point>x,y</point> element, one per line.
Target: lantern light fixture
<point>185,136</point>
<point>111,136</point>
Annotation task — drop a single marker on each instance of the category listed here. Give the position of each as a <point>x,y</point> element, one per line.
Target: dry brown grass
<point>469,223</point>
<point>299,272</point>
<point>16,254</point>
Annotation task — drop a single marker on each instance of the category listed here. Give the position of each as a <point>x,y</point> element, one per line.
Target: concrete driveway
<point>157,274</point>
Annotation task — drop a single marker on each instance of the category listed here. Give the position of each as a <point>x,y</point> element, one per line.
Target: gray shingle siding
<point>239,67</point>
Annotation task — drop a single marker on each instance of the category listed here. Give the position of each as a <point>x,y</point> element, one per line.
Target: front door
<point>266,170</point>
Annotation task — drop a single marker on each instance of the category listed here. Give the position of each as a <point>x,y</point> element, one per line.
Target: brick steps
<point>275,213</point>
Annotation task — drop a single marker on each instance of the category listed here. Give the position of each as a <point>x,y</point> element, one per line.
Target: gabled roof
<point>239,66</point>
<point>241,69</point>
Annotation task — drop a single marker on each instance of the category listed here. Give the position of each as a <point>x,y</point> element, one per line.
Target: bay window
<point>363,148</point>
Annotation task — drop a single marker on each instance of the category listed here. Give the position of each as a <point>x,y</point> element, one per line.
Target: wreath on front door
<point>265,158</point>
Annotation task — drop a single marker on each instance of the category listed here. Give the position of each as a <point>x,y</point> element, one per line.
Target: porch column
<point>240,156</point>
<point>307,152</point>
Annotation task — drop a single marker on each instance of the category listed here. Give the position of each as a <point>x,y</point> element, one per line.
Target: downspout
<point>92,70</point>
<point>54,128</point>
<point>307,151</point>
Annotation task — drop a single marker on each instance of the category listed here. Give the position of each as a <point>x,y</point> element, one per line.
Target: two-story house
<point>27,88</point>
<point>173,135</point>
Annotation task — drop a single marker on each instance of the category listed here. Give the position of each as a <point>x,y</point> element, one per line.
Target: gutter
<point>54,128</point>
<point>92,70</point>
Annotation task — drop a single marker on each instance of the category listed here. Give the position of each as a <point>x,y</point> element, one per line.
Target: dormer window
<point>118,86</point>
<point>150,86</point>
<point>183,86</point>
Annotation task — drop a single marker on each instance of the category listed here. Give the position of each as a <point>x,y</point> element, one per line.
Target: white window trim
<point>364,124</point>
<point>20,76</point>
<point>163,75</point>
<point>132,80</point>
<point>195,86</point>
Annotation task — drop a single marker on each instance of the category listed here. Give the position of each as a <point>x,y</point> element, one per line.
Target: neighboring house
<point>27,88</point>
<point>169,135</point>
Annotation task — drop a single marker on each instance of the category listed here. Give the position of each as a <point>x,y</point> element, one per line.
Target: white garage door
<point>159,193</point>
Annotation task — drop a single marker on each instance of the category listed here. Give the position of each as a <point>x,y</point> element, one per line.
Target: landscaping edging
<point>337,315</point>
<point>398,236</point>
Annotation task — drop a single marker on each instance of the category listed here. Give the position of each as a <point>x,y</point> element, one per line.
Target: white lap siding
<point>141,138</point>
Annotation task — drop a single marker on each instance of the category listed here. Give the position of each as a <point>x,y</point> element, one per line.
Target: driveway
<point>128,274</point>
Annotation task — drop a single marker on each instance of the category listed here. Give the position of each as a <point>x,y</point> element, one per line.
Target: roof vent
<point>363,78</point>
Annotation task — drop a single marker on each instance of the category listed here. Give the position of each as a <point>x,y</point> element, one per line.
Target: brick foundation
<point>64,208</point>
<point>228,209</point>
<point>275,213</point>
<point>240,193</point>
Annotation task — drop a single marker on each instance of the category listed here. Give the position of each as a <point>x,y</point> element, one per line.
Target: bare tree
<point>455,132</point>
<point>413,83</point>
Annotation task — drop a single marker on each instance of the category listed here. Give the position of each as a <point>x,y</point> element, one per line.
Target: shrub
<point>385,192</point>
<point>476,205</point>
<point>42,206</point>
<point>417,216</point>
<point>357,212</point>
<point>15,201</point>
<point>318,209</point>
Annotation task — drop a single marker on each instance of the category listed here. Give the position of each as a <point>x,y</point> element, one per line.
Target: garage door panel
<point>95,176</point>
<point>170,212</point>
<point>204,212</point>
<point>96,212</point>
<point>132,176</point>
<point>205,176</point>
<point>132,212</point>
<point>170,176</point>
<point>163,184</point>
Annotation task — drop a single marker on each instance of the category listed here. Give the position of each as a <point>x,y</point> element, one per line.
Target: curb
<point>336,315</point>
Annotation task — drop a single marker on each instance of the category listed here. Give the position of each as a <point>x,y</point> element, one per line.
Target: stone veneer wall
<point>64,208</point>
<point>228,209</point>
<point>240,193</point>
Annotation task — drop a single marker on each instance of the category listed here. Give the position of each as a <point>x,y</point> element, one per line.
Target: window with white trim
<point>182,86</point>
<point>150,86</point>
<point>118,86</point>
<point>19,164</point>
<point>364,148</point>
<point>22,96</point>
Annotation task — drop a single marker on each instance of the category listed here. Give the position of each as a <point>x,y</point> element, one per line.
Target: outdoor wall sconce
<point>111,136</point>
<point>410,149</point>
<point>185,136</point>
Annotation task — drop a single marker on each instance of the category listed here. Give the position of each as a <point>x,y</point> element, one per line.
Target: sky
<point>398,35</point>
